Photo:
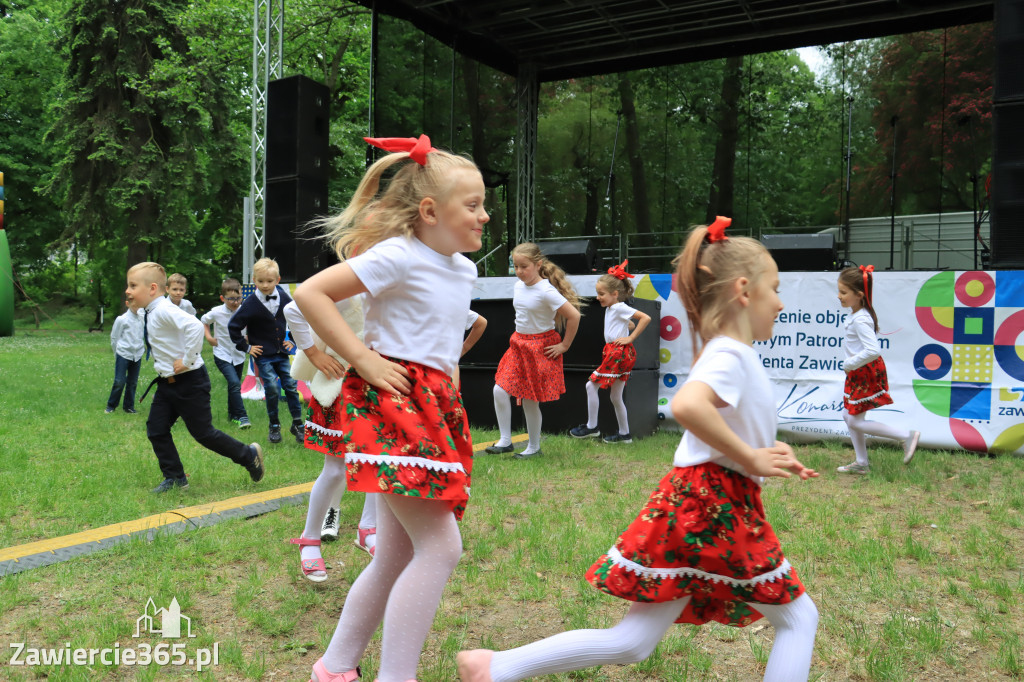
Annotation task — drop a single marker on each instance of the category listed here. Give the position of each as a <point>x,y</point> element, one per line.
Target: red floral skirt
<point>867,387</point>
<point>416,445</point>
<point>616,364</point>
<point>323,430</point>
<point>703,535</point>
<point>526,373</point>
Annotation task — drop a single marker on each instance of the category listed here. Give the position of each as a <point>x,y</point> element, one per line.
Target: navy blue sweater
<point>264,329</point>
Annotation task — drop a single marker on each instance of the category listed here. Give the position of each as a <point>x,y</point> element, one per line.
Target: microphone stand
<point>892,195</point>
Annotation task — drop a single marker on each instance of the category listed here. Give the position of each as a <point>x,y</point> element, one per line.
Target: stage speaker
<point>1007,218</point>
<point>558,416</point>
<point>298,129</point>
<point>586,349</point>
<point>811,252</point>
<point>575,256</point>
<point>1009,35</point>
<point>291,203</point>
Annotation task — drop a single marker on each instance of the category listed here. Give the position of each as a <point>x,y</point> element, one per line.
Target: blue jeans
<point>233,374</point>
<point>274,371</point>
<point>126,378</point>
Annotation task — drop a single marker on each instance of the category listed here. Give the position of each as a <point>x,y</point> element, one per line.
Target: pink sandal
<point>311,566</point>
<point>360,541</point>
<point>324,675</point>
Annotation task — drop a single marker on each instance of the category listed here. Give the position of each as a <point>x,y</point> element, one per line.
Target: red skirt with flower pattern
<point>416,445</point>
<point>323,430</point>
<point>616,364</point>
<point>702,535</point>
<point>527,373</point>
<point>867,387</point>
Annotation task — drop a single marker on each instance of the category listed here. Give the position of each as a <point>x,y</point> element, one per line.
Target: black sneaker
<point>168,483</point>
<point>618,438</point>
<point>130,410</point>
<point>498,449</point>
<point>299,431</point>
<point>329,533</point>
<point>527,455</point>
<point>584,431</point>
<point>255,465</point>
<point>274,435</point>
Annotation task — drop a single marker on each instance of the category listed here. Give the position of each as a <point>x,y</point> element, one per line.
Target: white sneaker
<point>329,533</point>
<point>910,446</point>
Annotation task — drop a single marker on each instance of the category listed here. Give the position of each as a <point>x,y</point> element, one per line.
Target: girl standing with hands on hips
<point>619,356</point>
<point>531,369</point>
<point>701,549</point>
<point>404,425</point>
<point>867,385</point>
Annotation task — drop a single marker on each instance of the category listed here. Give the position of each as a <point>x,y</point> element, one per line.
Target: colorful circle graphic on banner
<point>1009,354</point>
<point>932,361</point>
<point>665,354</point>
<point>670,380</point>
<point>975,288</point>
<point>671,328</point>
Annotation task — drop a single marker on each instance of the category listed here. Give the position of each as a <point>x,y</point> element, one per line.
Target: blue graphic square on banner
<point>974,326</point>
<point>970,401</point>
<point>1009,288</point>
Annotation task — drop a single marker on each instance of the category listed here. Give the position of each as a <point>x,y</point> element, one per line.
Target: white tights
<point>418,546</point>
<point>327,491</point>
<point>503,411</point>
<point>643,626</point>
<point>615,395</point>
<point>861,428</point>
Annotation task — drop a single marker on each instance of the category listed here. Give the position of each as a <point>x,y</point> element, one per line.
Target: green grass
<point>917,571</point>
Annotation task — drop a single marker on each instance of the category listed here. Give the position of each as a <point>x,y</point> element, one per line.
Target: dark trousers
<point>126,378</point>
<point>233,375</point>
<point>275,373</point>
<point>188,397</point>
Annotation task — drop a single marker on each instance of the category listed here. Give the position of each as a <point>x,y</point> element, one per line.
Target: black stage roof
<point>574,38</point>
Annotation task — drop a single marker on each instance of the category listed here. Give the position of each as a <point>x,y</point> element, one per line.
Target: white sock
<point>620,406</point>
<point>327,490</point>
<point>632,640</point>
<point>503,411</point>
<point>417,550</point>
<point>593,405</point>
<point>795,625</point>
<point>531,408</point>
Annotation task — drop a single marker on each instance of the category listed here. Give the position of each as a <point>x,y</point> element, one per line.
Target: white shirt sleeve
<point>115,333</point>
<point>724,374</point>
<point>207,317</point>
<point>383,266</point>
<point>864,327</point>
<point>193,333</point>
<point>301,333</point>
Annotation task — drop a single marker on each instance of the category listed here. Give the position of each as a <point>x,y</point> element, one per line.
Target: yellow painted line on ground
<point>168,517</point>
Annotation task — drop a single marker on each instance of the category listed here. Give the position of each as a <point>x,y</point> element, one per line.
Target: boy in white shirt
<point>126,342</point>
<point>177,287</point>
<point>229,360</point>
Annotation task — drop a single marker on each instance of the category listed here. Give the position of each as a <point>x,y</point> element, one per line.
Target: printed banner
<point>953,343</point>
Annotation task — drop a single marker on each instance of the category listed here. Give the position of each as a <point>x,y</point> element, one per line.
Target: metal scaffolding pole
<point>267,51</point>
<point>527,108</point>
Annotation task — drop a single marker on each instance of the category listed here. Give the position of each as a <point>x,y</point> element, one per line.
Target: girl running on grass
<point>531,368</point>
<point>405,429</point>
<point>701,548</point>
<point>867,384</point>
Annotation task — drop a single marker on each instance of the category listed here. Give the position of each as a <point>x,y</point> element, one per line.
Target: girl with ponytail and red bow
<point>402,431</point>
<point>619,356</point>
<point>701,549</point>
<point>867,385</point>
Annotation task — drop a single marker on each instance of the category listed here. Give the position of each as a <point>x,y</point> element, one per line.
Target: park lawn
<point>916,571</point>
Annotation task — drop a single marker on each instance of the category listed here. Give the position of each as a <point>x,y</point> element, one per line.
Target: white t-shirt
<point>535,306</point>
<point>616,321</point>
<point>734,372</point>
<point>218,319</point>
<point>861,344</point>
<point>185,305</point>
<point>471,320</point>
<point>417,302</point>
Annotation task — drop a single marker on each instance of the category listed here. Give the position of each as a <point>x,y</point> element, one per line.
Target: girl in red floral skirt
<point>403,427</point>
<point>701,549</point>
<point>619,356</point>
<point>867,385</point>
<point>531,369</point>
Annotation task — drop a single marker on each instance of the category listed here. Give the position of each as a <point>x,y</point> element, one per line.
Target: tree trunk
<point>641,206</point>
<point>723,175</point>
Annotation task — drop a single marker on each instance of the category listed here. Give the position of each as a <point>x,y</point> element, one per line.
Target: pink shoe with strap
<point>310,567</point>
<point>360,542</point>
<point>322,674</point>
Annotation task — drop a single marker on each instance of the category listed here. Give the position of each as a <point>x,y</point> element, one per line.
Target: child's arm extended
<point>572,325</point>
<point>642,320</point>
<point>304,340</point>
<point>695,406</point>
<point>210,339</point>
<point>315,298</point>
<point>475,332</point>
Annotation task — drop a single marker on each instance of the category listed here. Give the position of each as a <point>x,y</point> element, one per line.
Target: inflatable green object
<point>6,288</point>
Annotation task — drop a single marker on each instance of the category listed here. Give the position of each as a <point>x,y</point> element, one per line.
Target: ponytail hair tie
<point>866,271</point>
<point>418,147</point>
<point>619,271</point>
<point>716,230</point>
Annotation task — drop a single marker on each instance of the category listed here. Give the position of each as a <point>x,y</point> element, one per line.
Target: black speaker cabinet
<point>290,205</point>
<point>586,349</point>
<point>1007,229</point>
<point>298,128</point>
<point>575,256</point>
<point>641,397</point>
<point>1009,36</point>
<point>810,252</point>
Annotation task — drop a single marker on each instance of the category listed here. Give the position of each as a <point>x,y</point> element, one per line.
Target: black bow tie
<point>271,296</point>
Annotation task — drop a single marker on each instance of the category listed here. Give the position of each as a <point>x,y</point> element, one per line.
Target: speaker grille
<point>1007,229</point>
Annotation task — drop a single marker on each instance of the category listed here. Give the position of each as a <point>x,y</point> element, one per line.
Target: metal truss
<point>267,51</point>
<point>527,108</point>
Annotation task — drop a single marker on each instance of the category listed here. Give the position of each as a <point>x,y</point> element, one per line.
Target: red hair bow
<point>866,271</point>
<point>716,230</point>
<point>418,148</point>
<point>619,271</point>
